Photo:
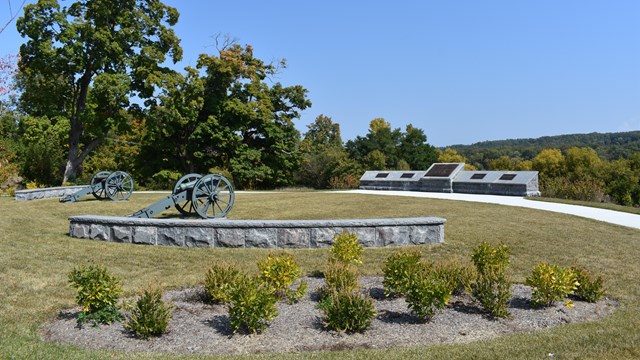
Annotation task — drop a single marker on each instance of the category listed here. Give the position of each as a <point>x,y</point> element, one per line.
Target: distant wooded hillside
<point>609,146</point>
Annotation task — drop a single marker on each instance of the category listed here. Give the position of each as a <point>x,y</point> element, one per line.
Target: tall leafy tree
<point>84,61</point>
<point>226,114</point>
<point>396,147</point>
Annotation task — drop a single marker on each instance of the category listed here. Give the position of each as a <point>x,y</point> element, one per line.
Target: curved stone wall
<point>256,233</point>
<point>45,193</point>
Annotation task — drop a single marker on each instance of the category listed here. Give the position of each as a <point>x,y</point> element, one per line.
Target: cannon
<point>209,196</point>
<point>117,185</point>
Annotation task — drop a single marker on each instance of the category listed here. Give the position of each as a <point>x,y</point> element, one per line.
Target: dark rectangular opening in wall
<point>507,177</point>
<point>381,175</point>
<point>478,176</point>
<point>406,176</point>
<point>441,170</point>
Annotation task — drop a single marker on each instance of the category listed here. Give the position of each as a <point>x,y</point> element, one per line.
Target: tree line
<point>92,89</point>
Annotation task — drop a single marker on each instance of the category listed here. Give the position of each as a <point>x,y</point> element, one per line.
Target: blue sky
<point>463,71</point>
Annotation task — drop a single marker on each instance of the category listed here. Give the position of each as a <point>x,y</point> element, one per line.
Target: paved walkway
<point>610,216</point>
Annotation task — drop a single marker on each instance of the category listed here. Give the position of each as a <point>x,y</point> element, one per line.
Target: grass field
<point>36,255</point>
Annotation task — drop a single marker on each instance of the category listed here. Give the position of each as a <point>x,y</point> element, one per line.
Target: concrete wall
<point>45,193</point>
<point>256,233</point>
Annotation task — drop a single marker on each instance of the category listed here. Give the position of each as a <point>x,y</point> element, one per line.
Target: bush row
<point>251,298</point>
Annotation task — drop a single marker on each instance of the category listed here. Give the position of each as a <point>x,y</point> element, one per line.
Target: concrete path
<point>610,216</point>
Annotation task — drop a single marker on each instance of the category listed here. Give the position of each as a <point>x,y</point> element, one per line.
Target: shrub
<point>98,294</point>
<point>590,287</point>
<point>349,311</point>
<point>280,272</point>
<point>219,281</point>
<point>149,316</point>
<point>252,305</point>
<point>456,276</point>
<point>397,271</point>
<point>426,294</point>
<point>550,283</point>
<point>339,277</point>
<point>491,287</point>
<point>346,248</point>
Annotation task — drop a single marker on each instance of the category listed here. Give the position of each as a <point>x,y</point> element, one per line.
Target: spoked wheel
<point>119,186</point>
<point>185,207</point>
<point>212,196</point>
<point>99,191</point>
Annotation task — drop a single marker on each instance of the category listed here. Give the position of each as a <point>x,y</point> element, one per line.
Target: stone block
<point>99,232</point>
<point>294,238</point>
<point>80,231</point>
<point>261,238</point>
<point>393,235</point>
<point>170,236</point>
<point>144,235</point>
<point>322,237</point>
<point>199,237</point>
<point>121,234</point>
<point>366,235</point>
<point>230,237</point>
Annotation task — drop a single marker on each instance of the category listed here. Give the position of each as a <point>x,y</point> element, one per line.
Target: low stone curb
<point>46,193</point>
<point>256,233</point>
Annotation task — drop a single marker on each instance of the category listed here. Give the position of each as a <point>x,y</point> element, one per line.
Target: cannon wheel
<point>185,208</point>
<point>212,196</point>
<point>98,191</point>
<point>119,186</point>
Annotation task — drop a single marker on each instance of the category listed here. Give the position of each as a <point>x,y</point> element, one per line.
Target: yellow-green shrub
<point>590,288</point>
<point>149,316</point>
<point>346,248</point>
<point>491,288</point>
<point>426,294</point>
<point>252,305</point>
<point>280,272</point>
<point>219,281</point>
<point>98,294</point>
<point>551,283</point>
<point>348,311</point>
<point>398,269</point>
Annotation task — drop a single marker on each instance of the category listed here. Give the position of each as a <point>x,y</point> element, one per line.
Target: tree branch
<point>13,17</point>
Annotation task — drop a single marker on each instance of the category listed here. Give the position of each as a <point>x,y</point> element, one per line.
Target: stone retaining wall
<point>256,233</point>
<point>45,193</point>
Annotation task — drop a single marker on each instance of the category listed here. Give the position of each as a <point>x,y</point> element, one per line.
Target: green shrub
<point>550,283</point>
<point>590,288</point>
<point>426,294</point>
<point>280,272</point>
<point>398,268</point>
<point>219,281</point>
<point>346,249</point>
<point>348,311</point>
<point>149,316</point>
<point>252,305</point>
<point>456,276</point>
<point>98,294</point>
<point>491,287</point>
<point>339,277</point>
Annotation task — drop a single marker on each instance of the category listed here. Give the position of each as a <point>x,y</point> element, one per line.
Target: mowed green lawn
<point>36,255</point>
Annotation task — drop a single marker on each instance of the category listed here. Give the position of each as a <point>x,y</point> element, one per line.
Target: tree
<point>549,163</point>
<point>224,114</point>
<point>85,60</point>
<point>323,154</point>
<point>398,148</point>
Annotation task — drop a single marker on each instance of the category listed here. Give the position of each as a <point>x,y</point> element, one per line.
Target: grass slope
<point>36,255</point>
